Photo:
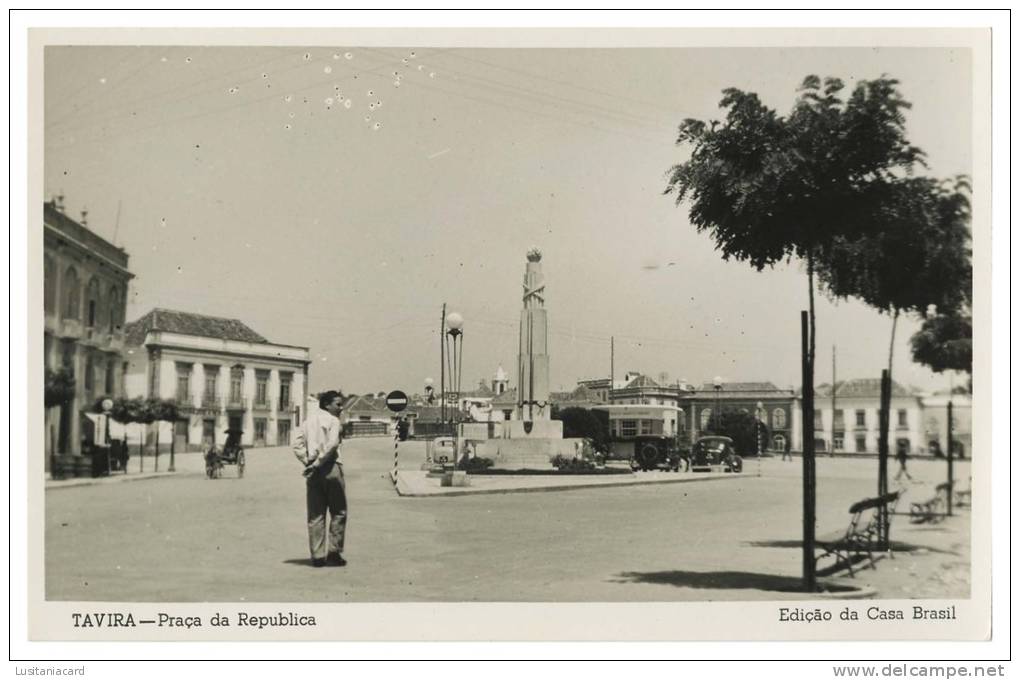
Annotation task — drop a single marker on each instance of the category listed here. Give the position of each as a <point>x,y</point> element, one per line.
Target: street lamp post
<point>454,354</point>
<point>107,407</point>
<point>717,384</point>
<point>759,422</point>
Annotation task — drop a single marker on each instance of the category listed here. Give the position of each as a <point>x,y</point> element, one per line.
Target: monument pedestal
<point>535,429</point>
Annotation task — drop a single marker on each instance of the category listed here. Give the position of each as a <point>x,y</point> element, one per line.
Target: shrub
<point>572,464</point>
<point>475,464</point>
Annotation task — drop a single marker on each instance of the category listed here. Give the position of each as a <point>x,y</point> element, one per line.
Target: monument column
<point>533,357</point>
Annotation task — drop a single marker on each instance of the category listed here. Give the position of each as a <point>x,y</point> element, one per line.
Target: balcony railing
<point>209,400</point>
<point>235,402</point>
<point>260,404</point>
<point>284,405</point>
<point>184,401</point>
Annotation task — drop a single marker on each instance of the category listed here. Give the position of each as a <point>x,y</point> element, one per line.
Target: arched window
<point>72,295</point>
<point>92,303</point>
<point>706,418</point>
<point>779,443</point>
<point>49,285</point>
<point>114,314</point>
<point>778,419</point>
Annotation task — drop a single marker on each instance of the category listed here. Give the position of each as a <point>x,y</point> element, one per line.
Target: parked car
<point>656,453</point>
<point>444,450</point>
<point>715,451</point>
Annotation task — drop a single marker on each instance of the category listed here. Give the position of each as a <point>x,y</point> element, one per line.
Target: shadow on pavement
<point>723,580</point>
<point>301,562</point>
<point>896,546</point>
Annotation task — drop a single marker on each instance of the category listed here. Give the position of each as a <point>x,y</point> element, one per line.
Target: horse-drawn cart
<point>231,453</point>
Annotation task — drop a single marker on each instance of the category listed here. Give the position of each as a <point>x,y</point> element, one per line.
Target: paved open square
<point>190,539</point>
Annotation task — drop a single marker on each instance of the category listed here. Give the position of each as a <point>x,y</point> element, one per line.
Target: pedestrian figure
<point>901,458</point>
<point>317,446</point>
<point>786,453</point>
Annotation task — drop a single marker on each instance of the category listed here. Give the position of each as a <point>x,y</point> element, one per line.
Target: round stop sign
<point>396,401</point>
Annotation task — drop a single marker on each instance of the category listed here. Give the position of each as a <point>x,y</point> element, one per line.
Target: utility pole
<point>807,458</point>
<point>116,224</point>
<point>612,366</point>
<point>883,456</point>
<point>949,453</point>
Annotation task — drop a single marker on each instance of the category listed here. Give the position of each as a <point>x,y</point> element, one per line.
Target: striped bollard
<point>396,441</point>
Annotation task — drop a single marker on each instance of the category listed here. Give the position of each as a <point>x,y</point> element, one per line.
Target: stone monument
<point>532,416</point>
<point>531,438</point>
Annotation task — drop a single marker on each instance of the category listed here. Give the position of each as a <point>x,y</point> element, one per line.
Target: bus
<point>648,435</point>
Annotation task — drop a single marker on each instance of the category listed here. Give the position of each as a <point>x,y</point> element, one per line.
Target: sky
<point>242,185</point>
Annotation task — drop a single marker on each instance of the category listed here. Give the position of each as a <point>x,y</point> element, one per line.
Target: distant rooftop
<point>740,387</point>
<point>188,323</point>
<point>860,387</point>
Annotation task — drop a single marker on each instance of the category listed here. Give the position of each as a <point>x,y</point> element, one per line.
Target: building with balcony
<point>222,375</point>
<point>853,425</point>
<point>84,299</point>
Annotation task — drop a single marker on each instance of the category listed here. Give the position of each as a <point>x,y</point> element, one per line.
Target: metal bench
<point>863,536</point>
<point>930,510</point>
<point>961,498</point>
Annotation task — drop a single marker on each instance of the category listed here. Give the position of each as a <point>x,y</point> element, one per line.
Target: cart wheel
<point>240,464</point>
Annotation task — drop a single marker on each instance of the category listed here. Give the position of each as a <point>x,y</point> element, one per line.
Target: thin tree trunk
<point>811,312</point>
<point>892,340</point>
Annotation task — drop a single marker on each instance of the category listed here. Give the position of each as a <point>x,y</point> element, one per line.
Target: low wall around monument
<point>534,454</point>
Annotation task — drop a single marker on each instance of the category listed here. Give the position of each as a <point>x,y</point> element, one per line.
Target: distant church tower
<point>500,381</point>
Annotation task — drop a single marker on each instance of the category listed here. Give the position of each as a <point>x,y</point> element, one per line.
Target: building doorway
<point>260,432</point>
<point>208,432</point>
<point>234,423</point>
<point>283,433</point>
<point>64,438</point>
<point>180,435</point>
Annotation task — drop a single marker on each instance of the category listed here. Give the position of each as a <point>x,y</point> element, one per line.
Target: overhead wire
<point>241,104</point>
<point>154,101</point>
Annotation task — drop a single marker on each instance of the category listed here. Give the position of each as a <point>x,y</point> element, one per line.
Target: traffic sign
<point>396,401</point>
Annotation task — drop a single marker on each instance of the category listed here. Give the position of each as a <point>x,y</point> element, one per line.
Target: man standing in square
<point>317,446</point>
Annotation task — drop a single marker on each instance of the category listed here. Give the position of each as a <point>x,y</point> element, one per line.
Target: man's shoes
<point>335,560</point>
<point>318,562</point>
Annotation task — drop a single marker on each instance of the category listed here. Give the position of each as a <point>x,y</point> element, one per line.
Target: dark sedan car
<point>715,452</point>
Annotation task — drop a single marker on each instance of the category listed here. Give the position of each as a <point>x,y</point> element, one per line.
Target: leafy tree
<point>945,342</point>
<point>588,423</point>
<point>918,256</point>
<point>59,387</point>
<point>166,410</point>
<point>132,411</point>
<point>157,411</point>
<point>141,413</point>
<point>769,187</point>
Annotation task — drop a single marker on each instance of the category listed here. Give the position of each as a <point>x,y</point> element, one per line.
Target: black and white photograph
<point>340,320</point>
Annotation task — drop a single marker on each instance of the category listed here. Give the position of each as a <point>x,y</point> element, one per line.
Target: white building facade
<point>853,425</point>
<point>222,376</point>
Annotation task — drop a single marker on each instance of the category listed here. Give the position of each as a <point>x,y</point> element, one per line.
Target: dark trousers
<point>326,492</point>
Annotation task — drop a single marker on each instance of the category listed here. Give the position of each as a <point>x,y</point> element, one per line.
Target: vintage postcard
<point>451,334</point>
